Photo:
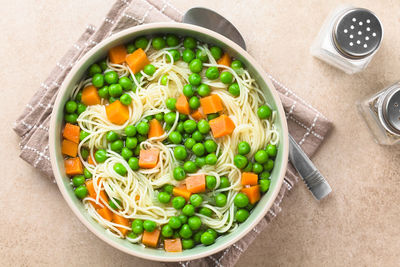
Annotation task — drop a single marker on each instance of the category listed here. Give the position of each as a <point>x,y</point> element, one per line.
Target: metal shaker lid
<point>357,33</point>
<point>391,110</point>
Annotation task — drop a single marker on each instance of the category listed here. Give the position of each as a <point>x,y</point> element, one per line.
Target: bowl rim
<point>180,26</point>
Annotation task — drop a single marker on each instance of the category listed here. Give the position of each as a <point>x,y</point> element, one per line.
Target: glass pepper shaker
<point>381,112</point>
<point>348,39</point>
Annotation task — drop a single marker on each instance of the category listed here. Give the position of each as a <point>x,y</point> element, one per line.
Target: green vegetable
<point>81,191</point>
<point>211,182</point>
<point>143,128</point>
<point>200,161</point>
<point>117,146</point>
<point>242,215</point>
<point>149,69</point>
<point>170,118</point>
<point>176,55</point>
<point>167,231</point>
<point>216,52</point>
<point>112,99</point>
<point>190,167</point>
<point>125,99</point>
<point>187,243</point>
<point>196,65</point>
<point>202,55</point>
<point>175,137</point>
<point>269,165</point>
<point>183,117</point>
<point>220,200</point>
<point>120,169</point>
<point>179,173</point>
<point>207,238</point>
<point>159,116</point>
<point>180,128</point>
<point>197,136</point>
<point>203,126</point>
<point>243,148</point>
<point>83,135</point>
<point>257,168</point>
<point>71,118</point>
<point>196,200</point>
<point>87,173</point>
<point>240,161</point>
<point>190,126</point>
<point>183,218</point>
<point>211,159</point>
<point>224,182</point>
<point>78,180</point>
<point>84,153</point>
<point>236,65</point>
<point>241,200</point>
<point>234,89</point>
<point>172,40</point>
<point>131,235</point>
<point>226,77</point>
<point>125,83</point>
<point>194,102</point>
<point>212,73</point>
<point>168,188</point>
<point>81,108</point>
<point>194,79</point>
<point>112,204</point>
<point>188,210</point>
<point>149,225</point>
<point>189,43</point>
<point>190,142</point>
<point>94,69</point>
<point>261,156</point>
<point>111,77</point>
<point>174,222</point>
<point>100,156</point>
<point>197,237</point>
<point>170,103</point>
<point>115,90</point>
<point>180,153</point>
<point>198,149</point>
<point>212,116</point>
<point>131,142</point>
<point>264,185</point>
<point>271,150</point>
<point>130,48</point>
<point>178,202</point>
<point>141,42</point>
<point>158,43</point>
<point>188,90</point>
<point>98,80</point>
<point>164,79</point>
<point>194,223</point>
<point>249,167</point>
<point>126,153</point>
<point>71,106</point>
<point>185,231</point>
<point>264,175</point>
<point>78,96</point>
<point>164,197</point>
<point>130,130</point>
<point>206,211</point>
<point>137,226</point>
<point>203,90</point>
<point>111,136</point>
<point>188,55</point>
<point>133,163</point>
<point>210,146</point>
<point>264,112</point>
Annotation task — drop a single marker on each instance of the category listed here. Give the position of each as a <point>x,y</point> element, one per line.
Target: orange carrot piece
<point>196,183</point>
<point>122,221</point>
<point>73,166</point>
<point>173,245</point>
<point>221,126</point>
<point>148,159</point>
<point>71,132</point>
<point>182,105</point>
<point>91,161</point>
<point>252,192</point>
<point>117,113</point>
<point>156,129</point>
<point>182,191</point>
<point>106,213</point>
<point>117,54</point>
<point>69,148</point>
<point>150,239</point>
<point>92,193</point>
<point>137,60</point>
<point>90,96</point>
<point>211,104</point>
<point>198,114</point>
<point>249,178</point>
<point>225,60</point>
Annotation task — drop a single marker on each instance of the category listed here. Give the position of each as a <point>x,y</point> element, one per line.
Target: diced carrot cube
<point>249,178</point>
<point>182,105</point>
<point>117,54</point>
<point>182,191</point>
<point>117,113</point>
<point>137,60</point>
<point>196,183</point>
<point>252,192</point>
<point>90,96</point>
<point>118,219</point>
<point>225,60</point>
<point>148,159</point>
<point>69,148</point>
<point>92,193</point>
<point>211,104</point>
<point>156,129</point>
<point>150,239</point>
<point>73,166</point>
<point>221,126</point>
<point>91,161</point>
<point>71,132</point>
<point>106,213</point>
<point>198,114</point>
<point>173,245</point>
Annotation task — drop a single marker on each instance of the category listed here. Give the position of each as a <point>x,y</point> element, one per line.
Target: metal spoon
<point>209,19</point>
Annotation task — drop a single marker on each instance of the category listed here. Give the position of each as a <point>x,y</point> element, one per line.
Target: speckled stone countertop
<point>356,225</point>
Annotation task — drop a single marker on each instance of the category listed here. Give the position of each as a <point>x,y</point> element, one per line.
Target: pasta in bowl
<point>173,146</point>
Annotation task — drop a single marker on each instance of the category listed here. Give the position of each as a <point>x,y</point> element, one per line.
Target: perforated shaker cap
<point>391,110</point>
<point>357,33</point>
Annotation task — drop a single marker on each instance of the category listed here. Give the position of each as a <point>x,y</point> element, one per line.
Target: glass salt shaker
<point>381,112</point>
<point>348,39</point>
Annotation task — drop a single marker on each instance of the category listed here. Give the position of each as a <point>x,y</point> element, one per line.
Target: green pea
<point>81,191</point>
<point>194,223</point>
<point>137,226</point>
<point>212,116</point>
<point>174,222</point>
<point>183,218</point>
<point>98,80</point>
<point>196,200</point>
<point>71,106</point>
<point>210,146</point>
<point>176,55</point>
<point>103,92</point>
<point>158,43</point>
<point>170,103</point>
<point>167,231</point>
<point>100,156</point>
<point>200,161</point>
<point>212,73</point>
<point>131,235</point>
<point>178,202</point>
<point>226,77</point>
<point>197,136</point>
<point>257,168</point>
<point>207,239</point>
<point>198,149</point>
<point>125,83</point>
<point>250,207</point>
<point>120,169</point>
<point>126,153</point>
<point>241,200</point>
<point>188,210</point>
<point>188,55</point>
<point>189,143</point>
<point>94,69</point>
<point>196,65</point>
<point>83,135</point>
<point>141,42</point>
<point>78,96</point>
<point>170,118</point>
<point>216,52</point>
<point>103,65</point>
<point>81,108</point>
<point>264,112</point>
<point>164,79</point>
<point>84,153</point>
<point>111,136</point>
<point>189,43</point>
<point>202,55</point>
<point>240,161</point>
<point>203,90</point>
<point>264,185</point>
<point>149,225</point>
<point>175,137</point>
<point>243,148</point>
<point>113,205</point>
<point>234,89</point>
<point>117,146</point>
<point>264,175</point>
<point>172,40</point>
<point>206,211</point>
<point>126,99</point>
<point>187,243</point>
<point>143,128</point>
<point>179,173</point>
<point>133,163</point>
<point>194,102</point>
<point>168,188</point>
<point>220,200</point>
<point>87,173</point>
<point>180,128</point>
<point>130,130</point>
<point>236,65</point>
<point>224,182</point>
<point>78,180</point>
<point>164,197</point>
<point>112,99</point>
<point>242,215</point>
<point>261,156</point>
<point>183,117</point>
<point>211,182</point>
<point>159,116</point>
<point>180,153</point>
<point>185,231</point>
<point>249,167</point>
<point>149,69</point>
<point>194,79</point>
<point>130,48</point>
<point>136,151</point>
<point>269,165</point>
<point>271,150</point>
<point>111,77</point>
<point>211,159</point>
<point>115,90</point>
<point>203,126</point>
<point>188,90</point>
<point>71,118</point>
<point>131,142</point>
<point>189,126</point>
<point>190,167</point>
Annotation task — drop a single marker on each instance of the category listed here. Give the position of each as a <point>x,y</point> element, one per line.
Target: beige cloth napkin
<point>306,124</point>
